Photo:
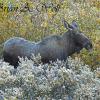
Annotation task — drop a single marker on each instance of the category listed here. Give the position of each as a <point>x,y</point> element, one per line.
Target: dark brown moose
<point>50,48</point>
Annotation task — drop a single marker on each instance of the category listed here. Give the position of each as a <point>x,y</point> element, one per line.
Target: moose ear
<point>67,25</point>
<point>74,24</point>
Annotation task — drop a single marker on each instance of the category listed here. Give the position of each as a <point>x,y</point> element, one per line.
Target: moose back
<point>50,48</point>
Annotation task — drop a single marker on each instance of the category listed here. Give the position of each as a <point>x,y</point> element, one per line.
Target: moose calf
<point>50,48</point>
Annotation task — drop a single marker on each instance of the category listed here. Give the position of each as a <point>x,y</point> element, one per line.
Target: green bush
<point>34,20</point>
<point>34,80</point>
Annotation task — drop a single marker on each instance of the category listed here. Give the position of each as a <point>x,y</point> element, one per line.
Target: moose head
<point>79,38</point>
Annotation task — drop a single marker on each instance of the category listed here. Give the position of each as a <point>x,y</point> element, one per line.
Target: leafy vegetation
<point>35,81</point>
<point>34,20</point>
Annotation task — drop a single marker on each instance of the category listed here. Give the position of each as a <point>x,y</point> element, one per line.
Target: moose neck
<point>69,45</point>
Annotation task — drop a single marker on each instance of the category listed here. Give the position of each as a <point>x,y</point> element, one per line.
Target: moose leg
<point>10,59</point>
